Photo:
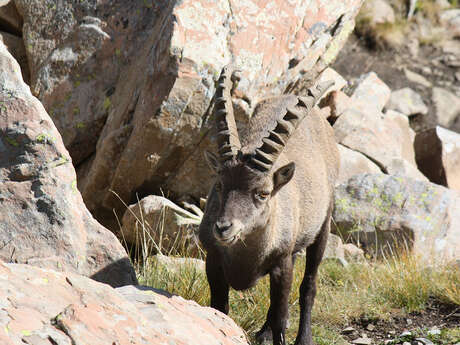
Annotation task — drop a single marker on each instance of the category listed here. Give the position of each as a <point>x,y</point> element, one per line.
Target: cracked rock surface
<point>40,306</point>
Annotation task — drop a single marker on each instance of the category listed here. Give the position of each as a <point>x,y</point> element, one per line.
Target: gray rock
<point>157,224</point>
<point>352,163</point>
<point>438,156</point>
<point>372,90</point>
<point>447,106</point>
<point>451,19</point>
<point>407,101</point>
<point>425,341</point>
<point>44,221</point>
<point>416,78</point>
<point>362,341</point>
<point>381,212</point>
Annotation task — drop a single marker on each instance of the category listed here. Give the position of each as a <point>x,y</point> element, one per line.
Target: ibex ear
<point>282,176</point>
<point>212,160</point>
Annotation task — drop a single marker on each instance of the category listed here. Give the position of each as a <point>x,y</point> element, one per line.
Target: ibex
<point>273,197</point>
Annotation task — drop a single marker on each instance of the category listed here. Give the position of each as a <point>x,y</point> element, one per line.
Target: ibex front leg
<point>280,286</point>
<point>308,287</point>
<point>217,283</point>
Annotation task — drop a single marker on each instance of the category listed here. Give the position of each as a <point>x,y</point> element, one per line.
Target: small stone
<point>406,343</point>
<point>407,101</point>
<point>392,332</point>
<point>362,341</point>
<point>424,341</point>
<point>416,78</point>
<point>434,331</point>
<point>370,327</point>
<point>348,329</point>
<point>409,322</point>
<point>447,106</point>
<point>388,341</point>
<point>406,334</point>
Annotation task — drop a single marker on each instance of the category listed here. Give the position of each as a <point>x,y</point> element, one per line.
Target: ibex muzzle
<point>272,197</point>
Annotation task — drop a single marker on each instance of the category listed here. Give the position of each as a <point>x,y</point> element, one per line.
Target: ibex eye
<point>262,195</point>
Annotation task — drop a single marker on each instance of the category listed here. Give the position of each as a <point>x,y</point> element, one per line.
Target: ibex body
<point>273,197</point>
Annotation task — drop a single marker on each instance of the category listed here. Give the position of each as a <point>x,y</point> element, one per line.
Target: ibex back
<point>272,198</point>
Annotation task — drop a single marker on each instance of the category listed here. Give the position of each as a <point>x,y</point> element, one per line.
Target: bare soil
<point>436,315</point>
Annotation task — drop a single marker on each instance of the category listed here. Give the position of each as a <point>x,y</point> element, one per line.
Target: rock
<point>372,91</point>
<point>443,4</point>
<point>381,138</point>
<point>330,74</point>
<point>381,212</point>
<point>406,343</point>
<point>417,78</point>
<point>407,101</point>
<point>400,167</point>
<point>438,156</point>
<point>425,341</point>
<point>176,265</point>
<point>334,250</point>
<point>377,12</point>
<point>353,163</point>
<point>338,102</point>
<point>15,46</point>
<point>451,19</point>
<point>157,223</point>
<point>447,106</point>
<point>434,331</point>
<point>9,17</point>
<point>370,327</point>
<point>43,306</point>
<point>406,334</point>
<point>362,341</point>
<point>353,253</point>
<point>348,330</point>
<point>44,221</point>
<point>130,84</point>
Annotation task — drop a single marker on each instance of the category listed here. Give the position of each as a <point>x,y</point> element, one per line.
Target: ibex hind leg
<point>308,287</point>
<point>217,283</point>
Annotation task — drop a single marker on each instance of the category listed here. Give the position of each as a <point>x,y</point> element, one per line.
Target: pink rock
<point>43,306</point>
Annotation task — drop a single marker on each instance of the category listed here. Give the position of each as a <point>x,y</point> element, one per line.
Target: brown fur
<point>268,233</point>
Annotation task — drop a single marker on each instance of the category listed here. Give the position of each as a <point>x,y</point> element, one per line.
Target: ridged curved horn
<point>228,140</point>
<point>273,144</point>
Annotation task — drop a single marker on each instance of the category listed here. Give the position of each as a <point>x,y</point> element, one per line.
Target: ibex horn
<point>227,135</point>
<point>266,155</point>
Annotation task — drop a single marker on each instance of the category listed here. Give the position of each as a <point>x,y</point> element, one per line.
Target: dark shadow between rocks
<point>112,273</point>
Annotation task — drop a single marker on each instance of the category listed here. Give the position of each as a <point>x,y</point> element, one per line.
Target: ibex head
<point>247,183</point>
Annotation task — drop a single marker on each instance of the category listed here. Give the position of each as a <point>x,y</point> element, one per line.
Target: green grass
<point>374,290</point>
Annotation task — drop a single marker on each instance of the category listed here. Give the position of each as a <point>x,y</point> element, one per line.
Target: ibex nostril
<point>222,227</point>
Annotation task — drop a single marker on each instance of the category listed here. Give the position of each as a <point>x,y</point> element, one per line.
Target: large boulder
<point>129,84</point>
<point>43,220</point>
<point>391,214</point>
<point>42,306</point>
<point>437,151</point>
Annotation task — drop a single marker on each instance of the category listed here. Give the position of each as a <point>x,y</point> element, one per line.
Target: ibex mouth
<point>229,241</point>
